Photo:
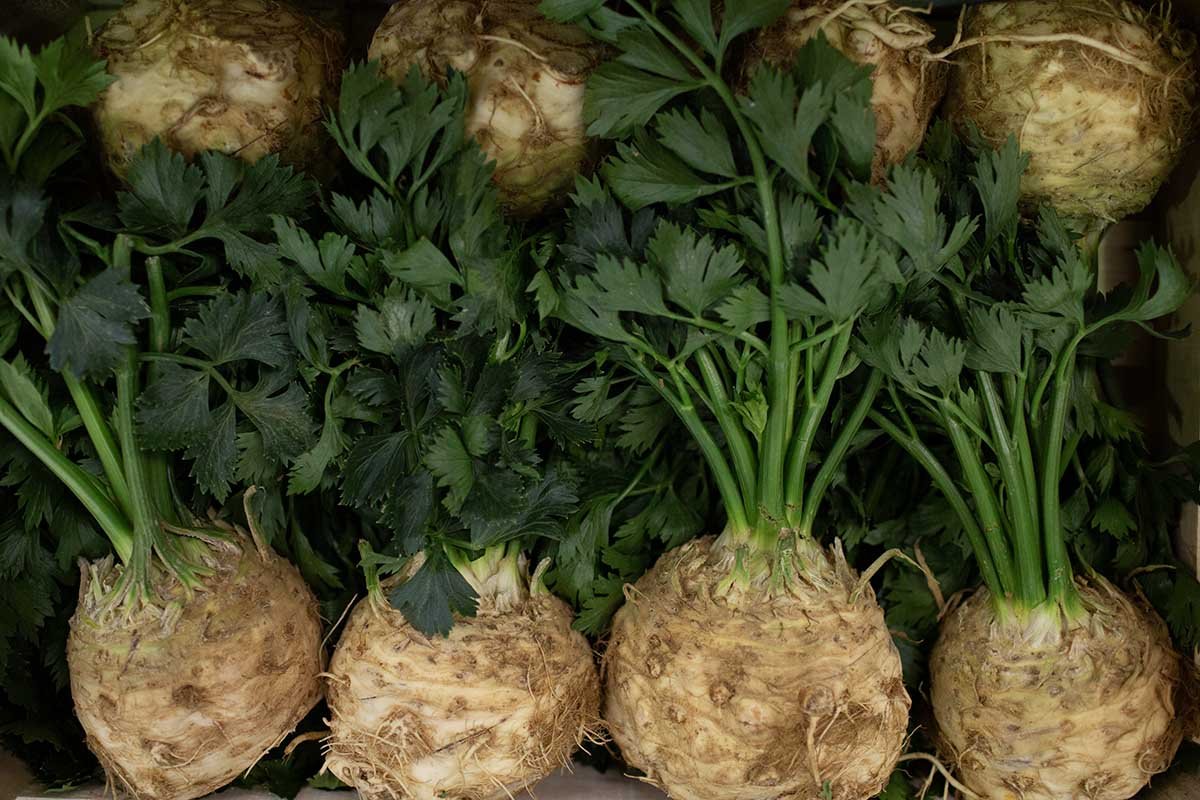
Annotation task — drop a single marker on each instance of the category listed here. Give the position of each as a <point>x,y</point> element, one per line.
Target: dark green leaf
<point>433,595</point>
<point>173,411</point>
<point>697,274</point>
<point>702,143</point>
<point>96,324</point>
<point>621,98</point>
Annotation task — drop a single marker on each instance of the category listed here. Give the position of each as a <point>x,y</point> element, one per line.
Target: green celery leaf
<point>695,17</point>
<point>239,199</point>
<point>853,121</point>
<point>745,307</point>
<point>908,214</point>
<point>96,324</point>
<point>1058,297</point>
<point>164,192</point>
<point>426,267</point>
<point>646,172</point>
<point>385,129</point>
<point>214,456</point>
<point>22,211</point>
<point>1113,518</point>
<point>996,343</point>
<point>645,421</point>
<point>240,327</point>
<point>997,179</point>
<point>402,320</point>
<point>605,597</point>
<point>642,49</point>
<point>853,272</point>
<point>544,292</point>
<point>818,61</point>
<point>19,75</point>
<point>539,510</point>
<point>621,98</point>
<point>408,510</point>
<point>702,143</point>
<point>281,418</point>
<point>27,394</point>
<point>70,75</point>
<point>447,458</point>
<point>377,221</point>
<point>941,362</point>
<point>326,263</point>
<point>785,126</point>
<point>375,464</point>
<point>586,535</point>
<point>308,470</point>
<point>625,286</point>
<point>431,597</point>
<point>697,274</point>
<point>315,569</point>
<point>742,16</point>
<point>173,411</point>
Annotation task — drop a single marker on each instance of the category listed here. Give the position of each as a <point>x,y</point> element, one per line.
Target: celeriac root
<point>784,687</point>
<point>175,711</point>
<point>1043,708</point>
<point>1100,94</point>
<point>246,77</point>
<point>908,84</point>
<point>526,76</point>
<point>483,714</point>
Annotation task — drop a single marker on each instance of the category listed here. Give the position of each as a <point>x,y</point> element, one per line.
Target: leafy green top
<point>713,253</point>
<point>996,348</point>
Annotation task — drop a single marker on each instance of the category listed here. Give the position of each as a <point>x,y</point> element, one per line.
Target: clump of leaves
<point>448,418</point>
<point>998,350</point>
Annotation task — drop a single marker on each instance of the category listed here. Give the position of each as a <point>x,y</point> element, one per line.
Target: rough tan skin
<point>526,76</point>
<point>176,711</point>
<point>908,84</point>
<point>246,77</point>
<point>1102,134</point>
<point>480,715</point>
<point>741,694</point>
<point>1043,710</point>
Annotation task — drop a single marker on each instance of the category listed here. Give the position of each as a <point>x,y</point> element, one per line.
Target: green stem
<point>89,410</point>
<point>81,484</point>
<point>731,425</point>
<point>701,322</point>
<point>771,466</point>
<point>1058,561</point>
<point>1015,388</point>
<point>144,516</point>
<point>31,129</point>
<point>160,310</point>
<point>682,405</point>
<point>985,501</point>
<point>837,453</point>
<point>810,421</point>
<point>158,465</point>
<point>1030,587</point>
<point>945,484</point>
